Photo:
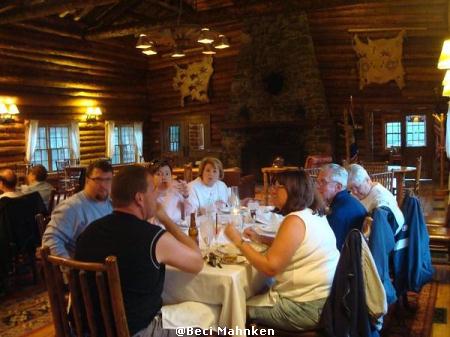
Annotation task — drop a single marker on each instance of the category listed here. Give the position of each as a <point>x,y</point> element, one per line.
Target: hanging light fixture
<point>208,50</point>
<point>222,43</point>
<point>93,114</point>
<point>165,40</point>
<point>205,36</point>
<point>150,50</point>
<point>178,52</point>
<point>7,112</point>
<point>444,58</point>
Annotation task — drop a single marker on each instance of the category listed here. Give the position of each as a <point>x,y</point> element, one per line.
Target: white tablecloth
<point>228,287</point>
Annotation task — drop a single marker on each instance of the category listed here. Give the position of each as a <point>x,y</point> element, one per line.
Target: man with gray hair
<point>346,212</point>
<point>372,194</point>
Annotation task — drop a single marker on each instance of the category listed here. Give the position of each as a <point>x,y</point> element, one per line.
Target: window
<point>53,144</point>
<point>393,132</point>
<point>174,138</point>
<point>124,145</point>
<point>415,131</point>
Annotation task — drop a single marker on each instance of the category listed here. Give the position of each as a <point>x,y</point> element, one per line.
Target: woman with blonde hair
<point>207,191</point>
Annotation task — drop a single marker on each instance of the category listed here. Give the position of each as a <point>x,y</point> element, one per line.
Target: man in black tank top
<point>142,249</point>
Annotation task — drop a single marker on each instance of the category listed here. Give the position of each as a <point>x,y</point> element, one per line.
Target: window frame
<point>117,136</point>
<point>50,160</point>
<point>424,130</point>
<point>402,119</point>
<point>386,133</point>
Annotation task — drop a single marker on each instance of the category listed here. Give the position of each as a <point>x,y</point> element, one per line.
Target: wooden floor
<point>442,301</point>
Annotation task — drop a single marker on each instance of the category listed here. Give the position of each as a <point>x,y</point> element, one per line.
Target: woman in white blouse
<point>208,192</point>
<point>173,195</point>
<point>302,258</point>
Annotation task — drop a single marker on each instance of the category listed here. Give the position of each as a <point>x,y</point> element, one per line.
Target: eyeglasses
<point>99,180</point>
<point>323,182</point>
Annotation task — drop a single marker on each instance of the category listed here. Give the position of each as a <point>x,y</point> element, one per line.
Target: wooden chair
<point>95,292</point>
<point>375,166</point>
<point>313,172</point>
<point>42,220</point>
<point>384,178</point>
<point>413,185</point>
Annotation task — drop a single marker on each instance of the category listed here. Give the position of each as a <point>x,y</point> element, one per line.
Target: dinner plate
<point>228,249</point>
<point>267,228</point>
<point>239,259</point>
<point>225,210</point>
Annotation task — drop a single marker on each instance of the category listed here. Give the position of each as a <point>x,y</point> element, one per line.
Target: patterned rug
<point>20,316</point>
<point>418,319</point>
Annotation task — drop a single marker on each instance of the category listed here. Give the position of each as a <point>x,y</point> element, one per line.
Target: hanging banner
<point>380,61</point>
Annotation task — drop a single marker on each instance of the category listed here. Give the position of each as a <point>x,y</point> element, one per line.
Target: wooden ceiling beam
<point>114,12</point>
<point>186,9</point>
<point>48,8</point>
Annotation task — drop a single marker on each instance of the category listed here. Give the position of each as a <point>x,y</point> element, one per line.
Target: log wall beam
<point>48,8</point>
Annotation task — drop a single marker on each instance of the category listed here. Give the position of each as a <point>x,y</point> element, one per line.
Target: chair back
<point>247,186</point>
<point>42,221</point>
<point>418,175</point>
<point>384,178</point>
<point>313,171</point>
<point>96,299</point>
<point>375,166</point>
<point>317,161</point>
<point>187,172</point>
<point>232,176</point>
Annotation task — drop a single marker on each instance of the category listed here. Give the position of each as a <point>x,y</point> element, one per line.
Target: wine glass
<point>253,206</point>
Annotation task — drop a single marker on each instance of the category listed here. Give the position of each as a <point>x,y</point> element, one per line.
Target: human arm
<point>174,230</point>
<point>255,237</point>
<point>288,239</point>
<point>59,231</point>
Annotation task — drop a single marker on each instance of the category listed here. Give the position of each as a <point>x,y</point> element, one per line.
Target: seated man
<point>71,217</point>
<point>8,182</point>
<point>37,183</point>
<point>346,212</point>
<point>142,249</point>
<point>372,194</point>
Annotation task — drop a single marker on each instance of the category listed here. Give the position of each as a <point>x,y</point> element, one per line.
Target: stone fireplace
<point>277,98</point>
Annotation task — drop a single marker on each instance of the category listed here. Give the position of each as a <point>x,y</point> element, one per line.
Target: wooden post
<point>440,145</point>
<point>346,136</point>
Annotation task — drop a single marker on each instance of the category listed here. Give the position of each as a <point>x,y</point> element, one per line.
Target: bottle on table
<point>193,230</point>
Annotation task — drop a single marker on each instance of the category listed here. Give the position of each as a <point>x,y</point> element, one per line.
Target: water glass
<point>253,206</point>
<point>234,200</point>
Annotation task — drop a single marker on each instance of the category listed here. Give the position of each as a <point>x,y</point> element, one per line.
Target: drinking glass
<point>253,206</point>
<point>234,200</point>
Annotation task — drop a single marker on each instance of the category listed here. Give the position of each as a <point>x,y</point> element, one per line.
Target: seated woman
<point>208,192</point>
<point>172,195</point>
<point>302,258</point>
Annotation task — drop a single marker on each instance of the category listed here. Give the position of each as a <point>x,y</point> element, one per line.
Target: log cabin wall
<point>165,101</point>
<point>54,78</point>
<point>421,48</point>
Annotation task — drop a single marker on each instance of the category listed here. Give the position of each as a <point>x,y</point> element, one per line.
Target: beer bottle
<point>193,231</point>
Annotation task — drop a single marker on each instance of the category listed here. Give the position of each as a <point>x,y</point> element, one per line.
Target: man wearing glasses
<point>346,212</point>
<point>73,215</point>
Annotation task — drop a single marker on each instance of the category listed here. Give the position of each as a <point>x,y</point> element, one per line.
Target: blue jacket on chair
<point>411,257</point>
<point>381,244</point>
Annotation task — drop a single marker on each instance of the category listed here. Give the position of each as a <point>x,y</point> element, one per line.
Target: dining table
<point>400,172</point>
<point>227,287</point>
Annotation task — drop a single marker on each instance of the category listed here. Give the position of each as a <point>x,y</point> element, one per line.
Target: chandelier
<point>176,41</point>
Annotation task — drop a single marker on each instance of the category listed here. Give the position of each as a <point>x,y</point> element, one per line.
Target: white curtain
<point>138,139</point>
<point>447,134</point>
<point>32,138</point>
<point>75,139</point>
<point>109,134</point>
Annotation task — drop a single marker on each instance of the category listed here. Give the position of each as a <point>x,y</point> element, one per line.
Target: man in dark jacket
<point>346,212</point>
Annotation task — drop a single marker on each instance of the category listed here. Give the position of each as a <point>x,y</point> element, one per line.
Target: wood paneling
<point>165,101</point>
<point>338,65</point>
<point>54,78</point>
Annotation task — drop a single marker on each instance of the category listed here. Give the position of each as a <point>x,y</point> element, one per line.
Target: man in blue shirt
<point>71,217</point>
<point>346,212</point>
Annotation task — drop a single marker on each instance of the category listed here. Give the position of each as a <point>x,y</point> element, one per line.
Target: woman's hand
<point>233,234</point>
<point>183,188</point>
<point>251,234</point>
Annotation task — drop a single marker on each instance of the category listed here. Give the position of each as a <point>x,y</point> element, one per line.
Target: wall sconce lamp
<point>7,112</point>
<point>92,114</point>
